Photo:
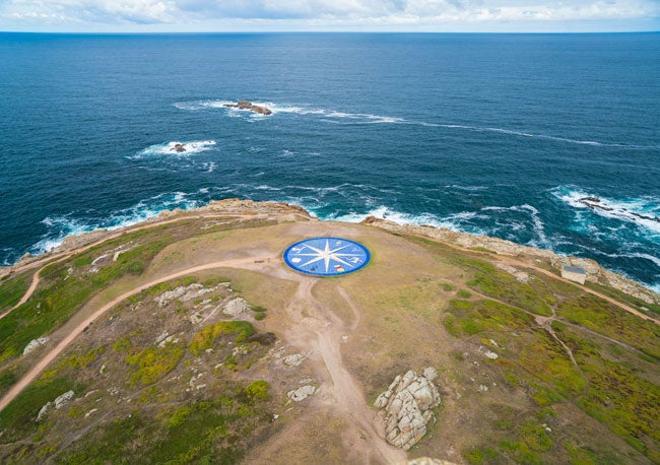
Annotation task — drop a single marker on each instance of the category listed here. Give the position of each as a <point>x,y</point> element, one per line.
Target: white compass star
<point>327,255</point>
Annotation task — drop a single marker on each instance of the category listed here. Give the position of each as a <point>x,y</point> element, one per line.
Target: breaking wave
<point>329,115</point>
<point>61,227</point>
<point>175,149</point>
<point>341,117</point>
<point>641,211</point>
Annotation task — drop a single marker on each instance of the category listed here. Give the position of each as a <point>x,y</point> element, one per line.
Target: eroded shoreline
<point>287,212</point>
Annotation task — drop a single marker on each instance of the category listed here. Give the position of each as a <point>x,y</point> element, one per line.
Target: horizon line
<point>303,31</point>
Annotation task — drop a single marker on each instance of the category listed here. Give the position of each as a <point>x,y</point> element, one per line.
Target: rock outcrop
<point>34,343</point>
<point>406,407</point>
<point>595,273</point>
<point>236,308</point>
<point>302,393</point>
<point>249,106</point>
<point>58,403</point>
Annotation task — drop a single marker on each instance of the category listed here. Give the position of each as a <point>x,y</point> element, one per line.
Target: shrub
<point>258,390</point>
<point>153,363</point>
<point>206,337</point>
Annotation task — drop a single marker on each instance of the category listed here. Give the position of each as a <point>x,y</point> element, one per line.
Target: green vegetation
<point>258,390</point>
<point>448,287</point>
<point>62,292</point>
<point>18,418</point>
<point>259,312</point>
<point>626,298</point>
<point>203,432</point>
<point>464,294</point>
<point>12,289</point>
<point>616,395</point>
<point>7,379</point>
<point>467,318</point>
<point>605,318</point>
<point>206,337</point>
<point>610,392</point>
<point>532,296</point>
<point>152,363</point>
<point>480,456</point>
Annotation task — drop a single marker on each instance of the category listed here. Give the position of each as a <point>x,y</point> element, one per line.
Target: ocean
<point>497,134</point>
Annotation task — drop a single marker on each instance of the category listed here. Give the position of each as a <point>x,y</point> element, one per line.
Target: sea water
<point>498,134</point>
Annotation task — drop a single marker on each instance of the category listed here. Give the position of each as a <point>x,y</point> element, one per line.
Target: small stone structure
<point>406,407</point>
<point>574,273</point>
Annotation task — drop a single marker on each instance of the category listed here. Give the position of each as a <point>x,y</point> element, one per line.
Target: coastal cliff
<point>189,337</point>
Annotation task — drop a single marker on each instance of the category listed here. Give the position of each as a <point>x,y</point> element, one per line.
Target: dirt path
<point>517,263</point>
<point>59,257</point>
<point>627,308</point>
<point>52,354</point>
<point>318,330</point>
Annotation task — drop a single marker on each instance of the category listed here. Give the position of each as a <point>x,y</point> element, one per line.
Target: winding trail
<point>61,256</point>
<point>315,329</point>
<point>52,354</point>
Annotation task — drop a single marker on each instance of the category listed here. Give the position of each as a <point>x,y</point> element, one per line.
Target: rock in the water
<point>246,105</point>
<point>407,405</point>
<point>236,307</point>
<point>33,344</point>
<point>178,148</point>
<point>301,393</point>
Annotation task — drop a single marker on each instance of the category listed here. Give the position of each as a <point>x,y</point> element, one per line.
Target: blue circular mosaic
<point>326,256</point>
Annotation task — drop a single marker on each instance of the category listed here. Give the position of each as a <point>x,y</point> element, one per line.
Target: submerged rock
<point>178,148</point>
<point>406,407</point>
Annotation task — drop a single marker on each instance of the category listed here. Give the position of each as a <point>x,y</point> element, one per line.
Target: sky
<point>329,15</point>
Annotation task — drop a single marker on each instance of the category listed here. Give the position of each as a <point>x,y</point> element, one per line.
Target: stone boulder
<point>236,308</point>
<point>34,343</point>
<point>407,407</point>
<point>302,393</point>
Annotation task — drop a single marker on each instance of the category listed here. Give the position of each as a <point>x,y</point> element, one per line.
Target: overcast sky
<point>329,15</point>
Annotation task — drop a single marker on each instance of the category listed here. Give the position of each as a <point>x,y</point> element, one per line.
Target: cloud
<point>319,13</point>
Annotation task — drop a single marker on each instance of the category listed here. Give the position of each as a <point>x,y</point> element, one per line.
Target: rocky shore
<point>283,212</point>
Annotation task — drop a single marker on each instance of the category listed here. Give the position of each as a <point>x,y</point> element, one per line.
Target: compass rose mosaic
<point>326,256</point>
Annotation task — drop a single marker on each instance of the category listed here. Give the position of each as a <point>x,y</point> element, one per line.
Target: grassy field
<point>531,372</point>
<point>12,289</point>
<point>165,423</point>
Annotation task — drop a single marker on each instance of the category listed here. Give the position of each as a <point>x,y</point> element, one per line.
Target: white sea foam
<point>61,227</point>
<point>450,222</point>
<point>168,149</point>
<point>210,166</point>
<point>342,117</point>
<point>331,115</point>
<point>642,211</point>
